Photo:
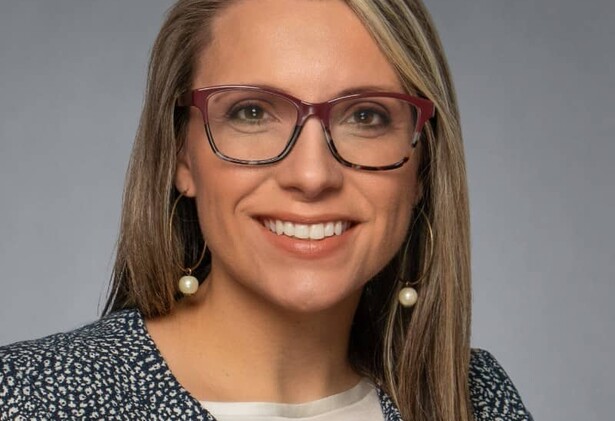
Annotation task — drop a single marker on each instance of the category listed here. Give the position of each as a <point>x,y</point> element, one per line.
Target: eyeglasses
<point>251,125</point>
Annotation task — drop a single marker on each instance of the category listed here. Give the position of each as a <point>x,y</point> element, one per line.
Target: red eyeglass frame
<point>199,98</point>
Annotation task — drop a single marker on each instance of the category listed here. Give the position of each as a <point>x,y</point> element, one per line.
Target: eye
<point>368,116</point>
<point>249,113</point>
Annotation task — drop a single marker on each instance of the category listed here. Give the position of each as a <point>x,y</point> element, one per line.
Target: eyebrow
<point>369,88</point>
<point>347,91</point>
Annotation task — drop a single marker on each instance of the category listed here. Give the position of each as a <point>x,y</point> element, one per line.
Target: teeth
<point>279,227</point>
<point>289,229</point>
<point>329,229</point>
<point>338,228</point>
<point>317,231</point>
<point>302,231</point>
<point>306,231</point>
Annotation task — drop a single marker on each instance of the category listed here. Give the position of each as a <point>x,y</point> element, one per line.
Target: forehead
<point>309,48</point>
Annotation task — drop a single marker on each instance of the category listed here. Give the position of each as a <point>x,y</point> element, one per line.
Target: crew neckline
<point>313,408</point>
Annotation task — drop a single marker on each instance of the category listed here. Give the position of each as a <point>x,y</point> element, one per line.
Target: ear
<point>184,178</point>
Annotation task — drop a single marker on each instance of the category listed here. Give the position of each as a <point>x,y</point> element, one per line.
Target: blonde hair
<point>425,353</point>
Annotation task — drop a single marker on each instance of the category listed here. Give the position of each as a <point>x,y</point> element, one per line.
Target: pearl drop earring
<point>408,296</point>
<point>188,284</point>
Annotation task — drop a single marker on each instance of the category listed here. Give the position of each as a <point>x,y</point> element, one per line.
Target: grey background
<point>536,82</point>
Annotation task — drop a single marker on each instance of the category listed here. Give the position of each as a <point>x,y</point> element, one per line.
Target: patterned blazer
<point>111,369</point>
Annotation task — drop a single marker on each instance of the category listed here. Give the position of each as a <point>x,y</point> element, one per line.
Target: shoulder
<point>492,392</point>
<point>35,373</point>
<point>93,342</point>
<point>493,395</point>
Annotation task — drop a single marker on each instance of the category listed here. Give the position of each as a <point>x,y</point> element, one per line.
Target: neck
<point>226,344</point>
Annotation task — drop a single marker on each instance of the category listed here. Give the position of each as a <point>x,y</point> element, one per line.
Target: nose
<point>310,169</point>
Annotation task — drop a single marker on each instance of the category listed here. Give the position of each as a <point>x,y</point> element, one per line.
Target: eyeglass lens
<point>257,125</point>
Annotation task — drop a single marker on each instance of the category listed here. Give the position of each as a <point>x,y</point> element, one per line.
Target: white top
<point>361,403</point>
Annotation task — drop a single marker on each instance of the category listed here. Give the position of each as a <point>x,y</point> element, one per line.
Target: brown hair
<point>424,359</point>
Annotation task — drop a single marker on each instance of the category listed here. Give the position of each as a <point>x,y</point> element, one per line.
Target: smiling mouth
<point>317,231</point>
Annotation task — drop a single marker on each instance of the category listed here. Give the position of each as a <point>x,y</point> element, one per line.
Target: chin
<point>314,297</point>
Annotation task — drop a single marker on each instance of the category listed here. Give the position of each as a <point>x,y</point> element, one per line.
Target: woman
<point>302,161</point>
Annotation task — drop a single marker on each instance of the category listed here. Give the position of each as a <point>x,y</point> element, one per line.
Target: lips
<point>304,231</point>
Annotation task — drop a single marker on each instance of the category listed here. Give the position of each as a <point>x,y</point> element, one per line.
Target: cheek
<point>206,176</point>
<point>395,197</point>
<point>222,191</point>
<point>217,194</point>
<point>398,212</point>
<point>395,204</point>
<point>216,200</point>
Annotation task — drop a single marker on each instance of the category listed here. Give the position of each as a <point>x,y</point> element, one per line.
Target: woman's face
<point>313,50</point>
